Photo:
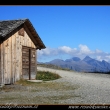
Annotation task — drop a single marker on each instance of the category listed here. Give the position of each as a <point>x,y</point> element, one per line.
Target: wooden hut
<point>19,42</point>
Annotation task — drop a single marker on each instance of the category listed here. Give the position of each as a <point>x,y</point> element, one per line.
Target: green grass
<point>46,75</point>
<point>24,82</point>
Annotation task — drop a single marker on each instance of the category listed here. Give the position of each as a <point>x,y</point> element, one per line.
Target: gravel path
<point>72,88</point>
<point>93,88</point>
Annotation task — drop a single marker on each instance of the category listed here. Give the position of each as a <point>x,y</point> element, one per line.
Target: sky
<point>67,30</point>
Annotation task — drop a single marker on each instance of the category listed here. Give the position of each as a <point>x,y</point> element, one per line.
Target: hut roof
<point>9,26</point>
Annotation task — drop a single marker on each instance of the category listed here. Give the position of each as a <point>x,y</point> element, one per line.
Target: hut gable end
<point>9,27</point>
<point>21,32</point>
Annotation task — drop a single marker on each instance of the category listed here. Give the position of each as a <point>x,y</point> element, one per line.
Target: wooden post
<point>29,64</point>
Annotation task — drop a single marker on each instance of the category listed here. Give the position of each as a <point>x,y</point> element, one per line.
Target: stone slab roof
<point>8,26</point>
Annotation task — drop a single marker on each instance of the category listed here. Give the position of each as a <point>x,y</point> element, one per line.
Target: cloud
<point>48,51</point>
<point>99,58</point>
<point>84,49</point>
<point>65,49</point>
<point>108,56</point>
<point>98,51</point>
<point>103,57</point>
<point>65,52</point>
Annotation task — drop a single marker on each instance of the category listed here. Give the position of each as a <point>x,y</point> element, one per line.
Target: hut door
<point>28,63</point>
<point>33,63</point>
<point>0,66</point>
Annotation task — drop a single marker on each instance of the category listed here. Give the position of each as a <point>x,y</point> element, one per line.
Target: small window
<point>21,32</point>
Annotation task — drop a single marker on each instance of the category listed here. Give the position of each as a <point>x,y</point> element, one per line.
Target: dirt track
<point>93,88</point>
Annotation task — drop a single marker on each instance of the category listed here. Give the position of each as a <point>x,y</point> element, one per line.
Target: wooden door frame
<point>30,51</point>
<point>29,64</point>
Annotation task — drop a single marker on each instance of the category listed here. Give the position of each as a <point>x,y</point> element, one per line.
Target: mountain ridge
<point>87,64</point>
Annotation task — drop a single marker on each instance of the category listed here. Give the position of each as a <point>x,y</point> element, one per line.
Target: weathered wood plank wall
<point>11,57</point>
<point>25,62</point>
<point>0,66</point>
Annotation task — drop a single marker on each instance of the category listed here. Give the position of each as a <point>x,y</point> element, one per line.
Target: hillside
<point>76,64</point>
<point>52,66</point>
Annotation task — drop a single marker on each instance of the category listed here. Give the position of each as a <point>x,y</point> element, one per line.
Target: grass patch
<point>45,86</point>
<point>46,75</point>
<point>24,82</point>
